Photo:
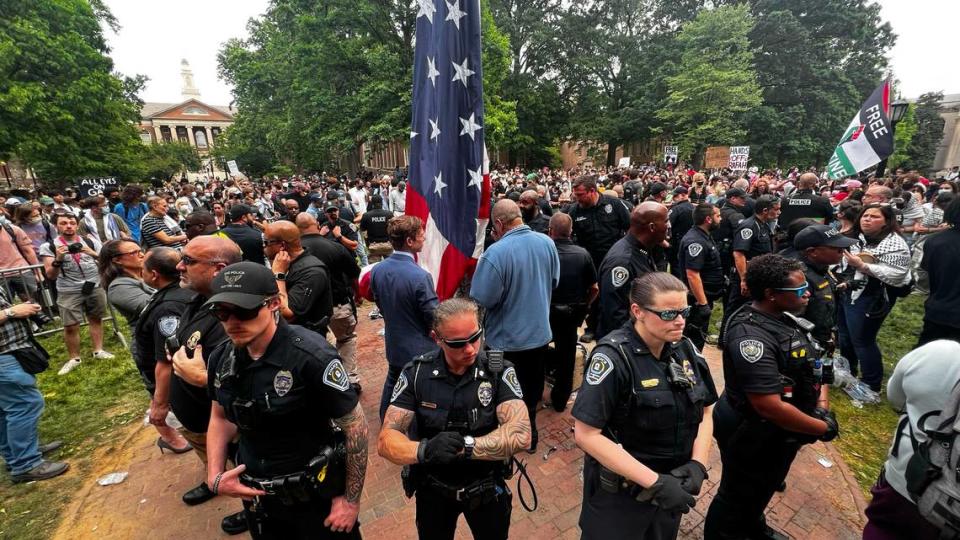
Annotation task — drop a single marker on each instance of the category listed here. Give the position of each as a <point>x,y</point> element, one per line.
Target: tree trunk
<point>611,153</point>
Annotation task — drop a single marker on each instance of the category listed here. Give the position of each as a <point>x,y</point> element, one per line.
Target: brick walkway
<point>820,502</point>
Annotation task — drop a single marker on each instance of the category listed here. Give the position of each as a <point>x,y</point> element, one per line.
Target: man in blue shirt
<point>514,280</point>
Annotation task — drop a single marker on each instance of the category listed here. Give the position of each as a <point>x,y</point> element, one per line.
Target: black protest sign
<point>91,187</point>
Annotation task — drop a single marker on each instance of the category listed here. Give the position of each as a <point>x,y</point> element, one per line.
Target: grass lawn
<point>85,409</point>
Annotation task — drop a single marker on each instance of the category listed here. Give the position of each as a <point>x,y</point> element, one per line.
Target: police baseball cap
<point>680,190</point>
<point>821,235</point>
<point>244,284</point>
<point>735,192</point>
<point>316,196</point>
<point>237,211</point>
<point>657,188</point>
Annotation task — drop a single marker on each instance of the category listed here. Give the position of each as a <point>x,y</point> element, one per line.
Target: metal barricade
<point>27,284</point>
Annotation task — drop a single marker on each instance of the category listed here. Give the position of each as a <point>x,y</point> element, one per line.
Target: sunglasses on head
<point>670,314</point>
<point>223,313</point>
<point>800,291</point>
<point>461,343</point>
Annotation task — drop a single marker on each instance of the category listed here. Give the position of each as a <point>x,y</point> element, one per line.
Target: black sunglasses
<point>670,314</point>
<point>190,261</point>
<point>223,313</point>
<point>461,343</point>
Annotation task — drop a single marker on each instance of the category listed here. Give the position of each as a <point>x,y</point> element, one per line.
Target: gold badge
<point>649,383</point>
<point>194,339</point>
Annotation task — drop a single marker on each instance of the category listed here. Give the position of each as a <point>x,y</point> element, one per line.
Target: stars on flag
<point>427,9</point>
<point>432,72</point>
<point>434,129</point>
<point>438,184</point>
<point>470,126</point>
<point>476,178</point>
<point>454,14</point>
<point>462,72</point>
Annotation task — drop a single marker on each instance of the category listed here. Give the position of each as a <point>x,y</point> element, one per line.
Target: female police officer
<point>643,417</point>
<point>772,403</point>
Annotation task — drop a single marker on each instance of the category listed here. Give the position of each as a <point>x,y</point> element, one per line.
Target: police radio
<point>495,361</point>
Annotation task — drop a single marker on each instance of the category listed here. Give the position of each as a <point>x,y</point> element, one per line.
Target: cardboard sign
<point>717,157</point>
<point>739,156</point>
<point>232,165</point>
<point>624,162</point>
<point>670,155</point>
<point>91,187</point>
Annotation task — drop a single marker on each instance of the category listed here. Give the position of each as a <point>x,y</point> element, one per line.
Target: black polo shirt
<point>374,223</point>
<point>577,274</point>
<point>698,252</point>
<point>346,229</point>
<point>342,267</point>
<point>249,239</point>
<point>159,320</point>
<point>805,204</point>
<point>308,291</point>
<point>627,260</point>
<point>598,227</point>
<point>191,403</point>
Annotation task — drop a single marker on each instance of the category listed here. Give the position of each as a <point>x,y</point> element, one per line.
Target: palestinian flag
<point>868,139</point>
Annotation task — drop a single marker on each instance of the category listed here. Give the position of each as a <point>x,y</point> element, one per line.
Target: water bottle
<point>818,369</point>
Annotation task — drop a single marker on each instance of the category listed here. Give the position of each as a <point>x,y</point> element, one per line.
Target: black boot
<point>234,523</point>
<point>198,495</point>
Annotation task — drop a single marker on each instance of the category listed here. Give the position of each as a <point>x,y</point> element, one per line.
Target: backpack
<point>933,472</point>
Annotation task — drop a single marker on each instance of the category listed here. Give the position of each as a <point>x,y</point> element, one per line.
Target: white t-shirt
<point>358,196</point>
<point>921,382</point>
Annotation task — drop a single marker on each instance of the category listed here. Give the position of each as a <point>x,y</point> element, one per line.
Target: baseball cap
<point>735,192</point>
<point>680,190</point>
<point>14,201</point>
<point>332,195</point>
<point>821,235</point>
<point>244,284</point>
<point>316,197</point>
<point>46,200</point>
<point>852,184</point>
<point>331,206</point>
<point>657,187</point>
<point>237,211</point>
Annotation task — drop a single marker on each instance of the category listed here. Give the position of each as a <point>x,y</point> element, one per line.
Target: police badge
<point>751,350</point>
<point>747,233</point>
<point>168,325</point>
<point>600,367</point>
<point>485,393</point>
<point>283,382</point>
<point>619,276</point>
<point>335,376</point>
<point>694,249</point>
<point>608,208</point>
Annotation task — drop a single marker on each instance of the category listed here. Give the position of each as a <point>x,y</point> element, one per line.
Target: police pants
<point>529,367</point>
<point>269,519</point>
<point>612,516</point>
<point>697,331</point>
<point>564,321</point>
<point>437,516</point>
<point>756,458</point>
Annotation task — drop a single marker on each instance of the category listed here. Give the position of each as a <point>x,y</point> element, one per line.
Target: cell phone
<point>173,345</point>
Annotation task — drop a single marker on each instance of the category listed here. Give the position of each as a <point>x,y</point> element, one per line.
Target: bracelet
<point>215,488</point>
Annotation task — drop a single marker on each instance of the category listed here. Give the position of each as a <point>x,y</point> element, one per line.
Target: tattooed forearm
<point>394,444</point>
<point>398,419</point>
<point>512,436</point>
<point>354,426</point>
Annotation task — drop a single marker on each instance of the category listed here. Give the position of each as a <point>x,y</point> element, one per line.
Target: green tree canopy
<point>923,147</point>
<point>902,137</point>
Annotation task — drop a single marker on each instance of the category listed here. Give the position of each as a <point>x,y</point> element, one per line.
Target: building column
<point>208,131</point>
<point>159,134</point>
<point>173,133</point>
<point>193,143</point>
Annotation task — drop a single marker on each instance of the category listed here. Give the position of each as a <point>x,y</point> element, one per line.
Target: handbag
<point>34,359</point>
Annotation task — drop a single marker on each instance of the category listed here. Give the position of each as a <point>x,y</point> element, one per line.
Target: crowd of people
<point>241,298</point>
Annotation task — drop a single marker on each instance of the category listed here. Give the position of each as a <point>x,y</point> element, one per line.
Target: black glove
<point>691,476</point>
<point>668,494</point>
<point>444,448</point>
<point>700,314</point>
<point>833,428</point>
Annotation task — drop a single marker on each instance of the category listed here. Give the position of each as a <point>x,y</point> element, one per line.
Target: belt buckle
<point>460,494</point>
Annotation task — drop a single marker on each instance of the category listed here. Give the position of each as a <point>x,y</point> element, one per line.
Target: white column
<point>156,130</point>
<point>193,143</point>
<point>208,131</point>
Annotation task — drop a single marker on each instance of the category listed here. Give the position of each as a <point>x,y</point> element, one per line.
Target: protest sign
<point>670,155</point>
<point>718,157</point>
<point>739,156</point>
<point>91,187</point>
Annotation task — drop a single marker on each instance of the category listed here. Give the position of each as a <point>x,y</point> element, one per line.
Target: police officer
<point>701,268</point>
<point>681,221</point>
<point>731,214</point>
<point>752,237</point>
<point>470,419</point>
<point>805,203</point>
<point>819,247</point>
<point>629,258</point>
<point>302,451</point>
<point>638,418</point>
<point>773,402</point>
<point>598,222</point>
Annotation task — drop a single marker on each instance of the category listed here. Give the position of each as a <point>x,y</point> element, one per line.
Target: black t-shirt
<point>347,229</point>
<point>540,223</point>
<point>805,204</point>
<point>374,223</point>
<point>249,239</point>
<point>681,221</point>
<point>598,227</point>
<point>753,238</point>
<point>341,265</point>
<point>697,251</point>
<point>191,403</point>
<point>577,274</point>
<point>941,259</point>
<point>308,291</point>
<point>296,387</point>
<point>159,320</point>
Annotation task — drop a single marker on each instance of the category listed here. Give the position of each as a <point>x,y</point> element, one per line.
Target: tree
<point>923,147</point>
<point>164,160</point>
<point>714,85</point>
<point>63,111</point>
<point>902,138</point>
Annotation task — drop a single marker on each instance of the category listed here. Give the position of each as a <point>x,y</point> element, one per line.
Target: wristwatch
<point>468,443</point>
<point>9,314</point>
<point>281,276</point>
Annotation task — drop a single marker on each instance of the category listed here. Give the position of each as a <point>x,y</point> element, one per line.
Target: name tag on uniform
<point>428,405</point>
<point>649,383</point>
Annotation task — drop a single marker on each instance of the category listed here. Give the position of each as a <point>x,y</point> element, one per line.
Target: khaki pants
<point>198,441</point>
<point>343,326</point>
<point>381,249</point>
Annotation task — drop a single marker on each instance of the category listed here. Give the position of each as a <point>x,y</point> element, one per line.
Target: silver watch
<point>9,313</point>
<point>468,443</point>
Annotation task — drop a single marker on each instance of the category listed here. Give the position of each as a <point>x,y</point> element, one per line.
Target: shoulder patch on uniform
<point>399,387</point>
<point>282,382</point>
<point>694,249</point>
<point>608,208</point>
<point>746,233</point>
<point>168,325</point>
<point>619,275</point>
<point>600,367</point>
<point>335,376</point>
<point>510,377</point>
<point>751,349</point>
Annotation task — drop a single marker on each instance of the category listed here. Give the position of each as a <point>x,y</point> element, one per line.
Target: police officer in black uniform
<point>701,269</point>
<point>629,258</point>
<point>752,237</point>
<point>470,418</point>
<point>819,247</point>
<point>681,221</point>
<point>805,203</point>
<point>773,402</point>
<point>598,222</point>
<point>731,214</point>
<point>638,418</point>
<point>302,451</point>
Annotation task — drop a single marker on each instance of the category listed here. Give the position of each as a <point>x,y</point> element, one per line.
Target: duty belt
<point>480,491</point>
<point>289,488</point>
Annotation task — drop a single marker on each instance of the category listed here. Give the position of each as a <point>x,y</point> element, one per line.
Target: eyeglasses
<point>800,291</point>
<point>131,252</point>
<point>461,343</point>
<point>268,242</point>
<point>223,313</point>
<point>670,314</point>
<point>190,261</point>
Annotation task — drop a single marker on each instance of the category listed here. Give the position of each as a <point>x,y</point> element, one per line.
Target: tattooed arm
<point>512,436</point>
<point>393,444</point>
<point>344,509</point>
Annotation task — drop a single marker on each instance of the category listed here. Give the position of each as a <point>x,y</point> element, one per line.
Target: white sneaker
<point>102,355</point>
<point>68,366</point>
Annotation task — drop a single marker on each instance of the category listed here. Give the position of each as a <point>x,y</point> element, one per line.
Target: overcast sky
<point>152,41</point>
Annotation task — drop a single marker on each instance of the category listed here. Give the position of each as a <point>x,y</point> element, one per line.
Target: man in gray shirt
<point>72,261</point>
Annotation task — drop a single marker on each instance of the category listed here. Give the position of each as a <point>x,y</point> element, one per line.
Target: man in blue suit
<point>406,297</point>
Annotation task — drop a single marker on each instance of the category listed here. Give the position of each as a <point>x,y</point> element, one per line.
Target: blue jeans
<point>20,407</point>
<point>858,338</point>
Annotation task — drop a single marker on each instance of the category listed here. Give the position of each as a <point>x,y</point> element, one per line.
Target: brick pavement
<point>819,503</point>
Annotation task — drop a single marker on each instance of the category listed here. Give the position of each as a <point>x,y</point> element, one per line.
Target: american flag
<point>449,187</point>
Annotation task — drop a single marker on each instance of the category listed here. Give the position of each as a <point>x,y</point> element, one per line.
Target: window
<point>193,109</point>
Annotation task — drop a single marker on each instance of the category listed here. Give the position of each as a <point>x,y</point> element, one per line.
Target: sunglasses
<point>190,261</point>
<point>267,242</point>
<point>223,313</point>
<point>670,314</point>
<point>800,291</point>
<point>461,343</point>
<point>131,252</point>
